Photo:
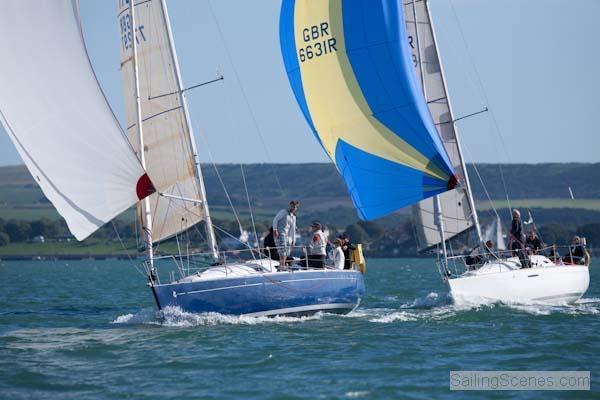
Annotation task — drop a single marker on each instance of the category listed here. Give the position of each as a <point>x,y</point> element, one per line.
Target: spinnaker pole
<point>146,212</point>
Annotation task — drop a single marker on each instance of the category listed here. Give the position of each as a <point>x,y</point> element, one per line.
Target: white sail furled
<point>455,206</point>
<point>169,149</point>
<point>54,111</point>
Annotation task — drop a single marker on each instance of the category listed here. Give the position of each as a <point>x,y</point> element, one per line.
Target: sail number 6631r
<point>318,42</point>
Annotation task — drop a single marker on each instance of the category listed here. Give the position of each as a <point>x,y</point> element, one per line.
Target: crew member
<point>533,242</point>
<point>316,248</point>
<point>269,246</point>
<point>517,239</point>
<point>336,255</point>
<point>284,231</point>
<point>489,248</point>
<point>347,248</point>
<point>576,252</point>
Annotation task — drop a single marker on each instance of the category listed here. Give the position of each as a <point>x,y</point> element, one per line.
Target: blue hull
<point>282,293</point>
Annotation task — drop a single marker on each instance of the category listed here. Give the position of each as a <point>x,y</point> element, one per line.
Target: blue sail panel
<point>349,66</point>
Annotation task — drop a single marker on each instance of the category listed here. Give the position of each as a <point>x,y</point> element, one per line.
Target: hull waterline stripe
<point>263,283</point>
<point>292,310</point>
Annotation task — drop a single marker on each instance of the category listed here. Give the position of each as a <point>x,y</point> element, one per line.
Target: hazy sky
<point>534,63</point>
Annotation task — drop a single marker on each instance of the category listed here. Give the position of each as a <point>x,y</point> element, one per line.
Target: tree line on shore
<point>383,241</point>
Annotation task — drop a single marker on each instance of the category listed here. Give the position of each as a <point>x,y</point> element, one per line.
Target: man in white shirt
<point>336,255</point>
<point>284,231</point>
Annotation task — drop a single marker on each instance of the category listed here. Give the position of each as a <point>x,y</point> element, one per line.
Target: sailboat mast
<point>146,214</point>
<point>459,147</point>
<point>437,204</point>
<point>210,233</point>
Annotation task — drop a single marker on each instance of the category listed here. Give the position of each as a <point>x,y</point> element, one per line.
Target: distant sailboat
<point>495,234</point>
<point>501,276</point>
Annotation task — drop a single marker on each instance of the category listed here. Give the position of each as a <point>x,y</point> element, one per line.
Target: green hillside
<point>542,188</point>
<point>322,191</point>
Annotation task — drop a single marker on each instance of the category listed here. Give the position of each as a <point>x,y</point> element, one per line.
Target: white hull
<point>505,281</point>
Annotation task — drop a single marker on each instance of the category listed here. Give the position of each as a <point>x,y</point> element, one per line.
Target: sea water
<point>89,329</point>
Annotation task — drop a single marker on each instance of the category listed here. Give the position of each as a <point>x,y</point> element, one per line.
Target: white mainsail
<point>55,113</point>
<point>170,155</point>
<point>456,211</point>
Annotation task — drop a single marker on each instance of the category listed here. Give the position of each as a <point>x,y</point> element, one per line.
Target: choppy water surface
<point>88,329</point>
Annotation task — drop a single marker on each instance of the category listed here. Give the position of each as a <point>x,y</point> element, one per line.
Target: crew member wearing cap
<point>317,247</point>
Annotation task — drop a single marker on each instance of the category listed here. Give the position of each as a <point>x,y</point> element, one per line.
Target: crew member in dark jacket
<point>270,248</point>
<point>348,248</point>
<point>516,232</point>
<point>533,242</point>
<point>517,239</point>
<point>576,252</point>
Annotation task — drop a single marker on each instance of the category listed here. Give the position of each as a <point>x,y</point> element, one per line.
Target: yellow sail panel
<point>335,100</point>
<point>350,70</point>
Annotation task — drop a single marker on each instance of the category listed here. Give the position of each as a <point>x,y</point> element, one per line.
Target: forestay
<point>55,113</point>
<point>455,207</point>
<point>170,158</point>
<point>349,66</point>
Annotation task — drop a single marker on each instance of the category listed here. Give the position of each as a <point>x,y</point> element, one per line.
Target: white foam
<point>147,315</point>
<point>176,317</point>
<point>433,299</point>
<point>402,316</point>
<point>123,319</point>
<point>359,393</point>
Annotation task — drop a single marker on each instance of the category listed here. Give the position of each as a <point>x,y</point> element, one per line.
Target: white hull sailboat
<point>499,276</point>
<point>504,280</point>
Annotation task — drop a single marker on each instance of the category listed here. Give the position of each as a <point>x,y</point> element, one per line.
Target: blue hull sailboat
<point>250,290</point>
<point>350,68</point>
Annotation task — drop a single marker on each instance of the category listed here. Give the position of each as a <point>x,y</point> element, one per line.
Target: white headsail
<point>457,213</point>
<point>55,113</point>
<point>170,156</point>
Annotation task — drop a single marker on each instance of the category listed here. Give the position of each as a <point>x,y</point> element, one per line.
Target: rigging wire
<point>249,204</point>
<point>225,232</point>
<point>237,239</point>
<point>482,93</point>
<point>244,96</point>
<point>125,248</point>
<point>204,140</point>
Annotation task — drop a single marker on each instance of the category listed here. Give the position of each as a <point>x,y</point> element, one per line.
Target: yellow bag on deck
<point>358,258</point>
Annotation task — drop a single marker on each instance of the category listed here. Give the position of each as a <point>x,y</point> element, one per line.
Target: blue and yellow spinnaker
<point>350,68</point>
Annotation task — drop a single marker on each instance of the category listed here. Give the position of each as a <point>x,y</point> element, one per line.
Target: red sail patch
<point>144,187</point>
<point>452,182</point>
